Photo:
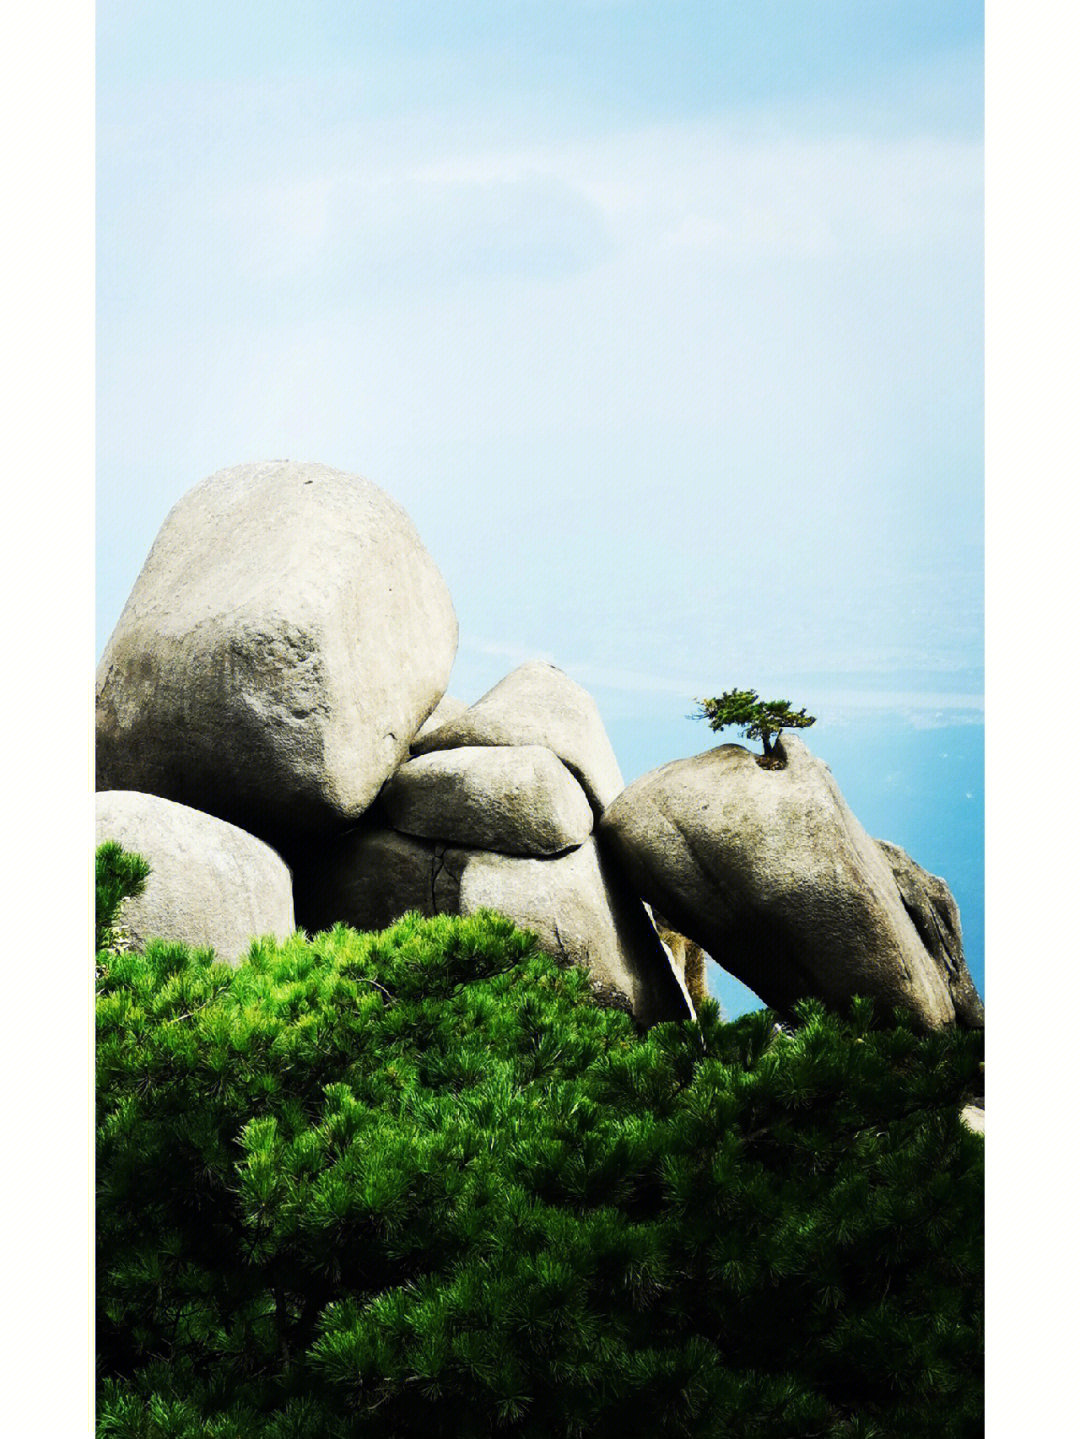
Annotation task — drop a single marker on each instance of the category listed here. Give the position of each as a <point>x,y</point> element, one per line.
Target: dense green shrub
<point>417,1183</point>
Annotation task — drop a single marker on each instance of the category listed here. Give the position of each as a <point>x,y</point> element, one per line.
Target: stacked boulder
<point>287,641</point>
<point>496,810</point>
<point>273,731</point>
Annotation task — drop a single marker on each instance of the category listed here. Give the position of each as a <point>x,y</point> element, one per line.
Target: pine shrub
<point>419,1183</point>
<point>118,875</point>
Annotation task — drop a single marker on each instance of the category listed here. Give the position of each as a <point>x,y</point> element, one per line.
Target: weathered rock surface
<point>932,910</point>
<point>210,884</point>
<point>286,638</point>
<point>687,957</point>
<point>516,799</point>
<point>539,704</point>
<point>771,873</point>
<point>448,708</point>
<point>578,905</point>
<point>580,910</point>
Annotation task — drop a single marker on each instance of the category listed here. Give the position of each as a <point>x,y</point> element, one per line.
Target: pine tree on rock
<point>759,719</point>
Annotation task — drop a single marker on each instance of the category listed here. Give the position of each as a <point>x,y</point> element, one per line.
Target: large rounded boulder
<point>286,638</point>
<point>211,885</point>
<point>538,704</point>
<point>516,799</point>
<point>771,873</point>
<point>577,904</point>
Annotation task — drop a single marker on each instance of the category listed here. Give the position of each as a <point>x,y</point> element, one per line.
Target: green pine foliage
<point>118,876</point>
<point>757,718</point>
<point>418,1183</point>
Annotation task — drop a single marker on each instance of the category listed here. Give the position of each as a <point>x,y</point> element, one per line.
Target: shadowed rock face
<point>286,638</point>
<point>771,873</point>
<point>210,884</point>
<point>578,905</point>
<point>537,704</point>
<point>687,957</point>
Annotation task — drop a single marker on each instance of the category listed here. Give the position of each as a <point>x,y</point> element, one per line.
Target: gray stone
<point>933,911</point>
<point>771,873</point>
<point>582,910</point>
<point>539,704</point>
<point>578,905</point>
<point>287,636</point>
<point>448,708</point>
<point>210,884</point>
<point>516,799</point>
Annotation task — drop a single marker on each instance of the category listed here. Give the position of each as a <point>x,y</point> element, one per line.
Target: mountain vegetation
<point>420,1182</point>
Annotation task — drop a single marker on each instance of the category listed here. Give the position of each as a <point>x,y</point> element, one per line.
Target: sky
<point>663,321</point>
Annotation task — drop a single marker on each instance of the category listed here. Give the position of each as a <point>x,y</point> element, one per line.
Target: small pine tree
<point>760,719</point>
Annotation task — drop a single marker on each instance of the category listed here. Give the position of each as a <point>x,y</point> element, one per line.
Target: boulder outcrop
<point>578,905</point>
<point>770,872</point>
<point>211,885</point>
<point>538,704</point>
<point>286,649</point>
<point>515,799</point>
<point>285,640</point>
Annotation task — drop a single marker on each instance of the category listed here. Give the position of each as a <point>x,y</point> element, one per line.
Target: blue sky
<point>663,322</point>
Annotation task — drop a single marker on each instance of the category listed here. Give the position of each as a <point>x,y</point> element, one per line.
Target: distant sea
<point>920,788</point>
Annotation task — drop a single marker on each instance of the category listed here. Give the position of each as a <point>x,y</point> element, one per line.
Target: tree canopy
<point>758,719</point>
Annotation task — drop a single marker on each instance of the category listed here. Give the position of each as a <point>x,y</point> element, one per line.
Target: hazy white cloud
<point>710,194</point>
<point>755,193</point>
